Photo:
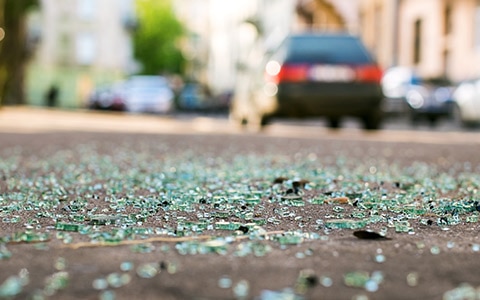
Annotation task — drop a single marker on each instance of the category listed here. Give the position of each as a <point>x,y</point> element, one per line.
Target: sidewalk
<point>34,119</point>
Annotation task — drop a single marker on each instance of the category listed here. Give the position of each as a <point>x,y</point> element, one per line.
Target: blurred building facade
<point>81,43</point>
<point>437,38</point>
<point>222,35</point>
<point>226,37</point>
<point>327,15</point>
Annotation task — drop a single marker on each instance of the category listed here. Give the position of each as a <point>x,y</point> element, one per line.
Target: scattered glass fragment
<point>107,295</point>
<point>148,270</point>
<point>412,279</point>
<point>360,297</point>
<point>286,294</point>
<point>371,286</point>
<point>356,279</point>
<point>143,248</point>
<point>463,291</point>
<point>326,281</point>
<point>288,238</point>
<point>55,282</point>
<point>300,255</point>
<point>306,279</point>
<point>225,282</point>
<point>126,266</point>
<point>100,284</point>
<point>241,290</point>
<point>117,280</point>
<point>345,224</point>
<point>4,252</point>
<point>380,258</point>
<point>362,279</point>
<point>60,264</point>
<point>475,247</point>
<point>67,226</point>
<point>13,285</point>
<point>435,250</point>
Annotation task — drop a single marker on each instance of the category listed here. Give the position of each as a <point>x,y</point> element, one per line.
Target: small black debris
<point>476,205</point>
<point>443,220</point>
<point>290,191</point>
<point>279,180</point>
<point>369,235</point>
<point>243,229</point>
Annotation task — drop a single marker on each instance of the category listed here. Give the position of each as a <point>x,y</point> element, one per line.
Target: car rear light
<point>287,73</point>
<point>369,73</point>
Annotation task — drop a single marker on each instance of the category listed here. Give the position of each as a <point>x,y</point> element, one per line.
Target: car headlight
<point>415,99</point>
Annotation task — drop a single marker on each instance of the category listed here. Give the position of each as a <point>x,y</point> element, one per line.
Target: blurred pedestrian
<point>52,95</point>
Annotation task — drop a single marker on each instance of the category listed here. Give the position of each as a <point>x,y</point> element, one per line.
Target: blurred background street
<point>202,56</point>
<point>27,120</point>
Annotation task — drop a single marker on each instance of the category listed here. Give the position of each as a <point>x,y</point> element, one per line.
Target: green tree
<point>13,49</point>
<point>156,39</point>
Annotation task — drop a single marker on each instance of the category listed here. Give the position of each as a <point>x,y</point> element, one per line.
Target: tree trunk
<point>13,52</point>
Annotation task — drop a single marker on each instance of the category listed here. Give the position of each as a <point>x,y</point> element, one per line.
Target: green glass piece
<point>56,282</point>
<point>222,225</point>
<point>102,220</point>
<point>317,201</point>
<point>4,252</point>
<point>148,270</point>
<point>356,279</point>
<point>259,221</point>
<point>68,227</point>
<point>403,226</point>
<point>345,224</point>
<point>289,239</point>
<point>29,237</point>
<point>241,290</point>
<point>252,201</point>
<point>11,287</point>
<point>471,219</point>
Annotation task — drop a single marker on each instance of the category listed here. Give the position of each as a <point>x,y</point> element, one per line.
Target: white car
<point>148,94</point>
<point>467,99</point>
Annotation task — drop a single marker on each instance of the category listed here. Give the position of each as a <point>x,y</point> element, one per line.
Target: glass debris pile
<point>242,206</point>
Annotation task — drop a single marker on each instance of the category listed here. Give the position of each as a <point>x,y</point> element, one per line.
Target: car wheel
<point>334,122</point>
<point>433,120</point>
<point>373,120</point>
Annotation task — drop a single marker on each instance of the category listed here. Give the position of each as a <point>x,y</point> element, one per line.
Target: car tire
<point>373,120</point>
<point>334,122</point>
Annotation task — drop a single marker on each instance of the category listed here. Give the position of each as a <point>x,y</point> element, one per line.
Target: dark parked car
<point>193,96</point>
<point>421,99</point>
<point>312,74</point>
<point>109,97</point>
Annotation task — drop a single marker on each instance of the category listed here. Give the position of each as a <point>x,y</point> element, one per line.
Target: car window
<point>326,49</point>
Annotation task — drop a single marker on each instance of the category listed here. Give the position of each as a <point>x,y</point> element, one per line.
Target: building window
<point>85,49</point>
<point>86,9</point>
<point>417,42</point>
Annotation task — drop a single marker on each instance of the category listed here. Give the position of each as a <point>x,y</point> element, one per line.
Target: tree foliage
<point>156,39</point>
<point>13,49</point>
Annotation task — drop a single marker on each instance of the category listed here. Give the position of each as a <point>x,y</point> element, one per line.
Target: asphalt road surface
<point>92,169</point>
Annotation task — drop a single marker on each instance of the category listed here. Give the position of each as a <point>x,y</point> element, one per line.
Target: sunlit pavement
<point>33,119</point>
